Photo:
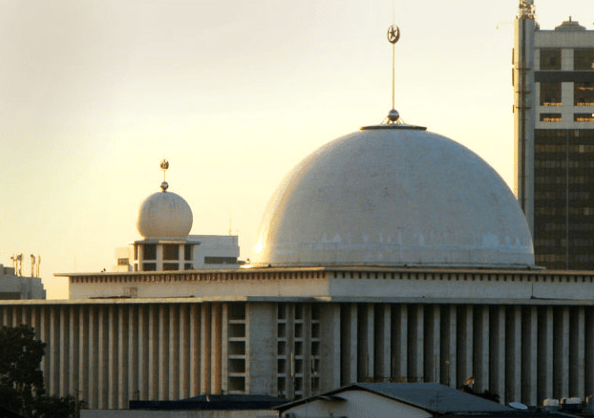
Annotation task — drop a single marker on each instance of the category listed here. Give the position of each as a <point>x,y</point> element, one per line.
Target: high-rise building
<point>553,82</point>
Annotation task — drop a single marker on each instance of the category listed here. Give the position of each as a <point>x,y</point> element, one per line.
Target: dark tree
<point>21,380</point>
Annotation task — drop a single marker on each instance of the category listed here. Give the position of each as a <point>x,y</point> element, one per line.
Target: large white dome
<point>164,215</point>
<point>394,195</point>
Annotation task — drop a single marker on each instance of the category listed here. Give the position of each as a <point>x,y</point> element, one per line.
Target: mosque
<point>389,254</point>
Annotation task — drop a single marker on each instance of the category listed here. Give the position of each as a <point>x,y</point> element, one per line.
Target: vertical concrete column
<point>399,358</point>
<point>352,343</point>
<point>52,349</point>
<point>513,355</point>
<point>260,347</point>
<point>195,355</point>
<point>15,317</point>
<point>290,350</point>
<point>180,257</point>
<point>73,358</point>
<point>589,337</point>
<point>416,343</point>
<point>103,354</point>
<point>365,365</point>
<point>465,337</point>
<point>205,334</point>
<point>529,355</point>
<point>83,353</point>
<point>163,346</point>
<point>63,352</point>
<point>112,358</point>
<point>184,344</point>
<point>134,350</point>
<point>34,319</point>
<point>330,348</point>
<point>174,350</point>
<point>545,353</point>
<point>497,352</point>
<point>159,257</point>
<point>122,372</point>
<point>307,359</point>
<point>153,351</point>
<point>93,381</point>
<point>143,353</point>
<point>481,348</point>
<point>577,352</point>
<point>43,336</point>
<point>382,331</point>
<point>448,345</point>
<point>561,352</point>
<point>225,348</point>
<point>432,344</point>
<point>215,349</point>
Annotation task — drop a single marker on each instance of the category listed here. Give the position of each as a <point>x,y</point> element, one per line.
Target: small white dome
<point>164,215</point>
<point>394,195</point>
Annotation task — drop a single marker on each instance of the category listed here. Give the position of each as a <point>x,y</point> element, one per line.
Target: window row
<point>583,59</point>
<point>556,117</point>
<point>548,163</point>
<point>550,94</point>
<point>577,149</point>
<point>563,179</point>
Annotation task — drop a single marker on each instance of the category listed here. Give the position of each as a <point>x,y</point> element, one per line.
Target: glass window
<point>583,94</point>
<point>550,94</point>
<point>550,117</point>
<point>583,117</point>
<point>149,266</point>
<point>550,59</point>
<point>170,252</point>
<point>583,59</point>
<point>188,252</point>
<point>220,260</point>
<point>150,252</point>
<point>170,266</point>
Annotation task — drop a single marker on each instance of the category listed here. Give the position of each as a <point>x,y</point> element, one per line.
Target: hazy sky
<point>93,94</point>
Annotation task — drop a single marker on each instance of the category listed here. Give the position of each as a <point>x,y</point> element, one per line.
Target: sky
<point>234,93</point>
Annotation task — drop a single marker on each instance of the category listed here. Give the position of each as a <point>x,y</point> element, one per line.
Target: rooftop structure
<point>164,222</point>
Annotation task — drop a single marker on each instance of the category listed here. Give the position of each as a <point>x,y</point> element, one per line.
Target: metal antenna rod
<point>393,74</point>
<point>393,36</point>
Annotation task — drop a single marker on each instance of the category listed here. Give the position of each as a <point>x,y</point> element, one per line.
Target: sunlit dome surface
<point>164,215</point>
<point>394,195</point>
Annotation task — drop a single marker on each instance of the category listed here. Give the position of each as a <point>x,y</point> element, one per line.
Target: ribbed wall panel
<point>109,353</point>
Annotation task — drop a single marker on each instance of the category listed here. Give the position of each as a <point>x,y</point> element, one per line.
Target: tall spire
<point>164,166</point>
<point>393,37</point>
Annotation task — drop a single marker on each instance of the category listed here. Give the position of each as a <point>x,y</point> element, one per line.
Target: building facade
<point>554,132</point>
<point>13,285</point>
<point>524,335</point>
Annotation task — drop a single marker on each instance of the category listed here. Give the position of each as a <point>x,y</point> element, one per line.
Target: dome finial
<point>393,37</point>
<point>164,166</point>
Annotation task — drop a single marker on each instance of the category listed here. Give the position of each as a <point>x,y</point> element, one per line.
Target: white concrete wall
<point>214,246</point>
<point>348,283</point>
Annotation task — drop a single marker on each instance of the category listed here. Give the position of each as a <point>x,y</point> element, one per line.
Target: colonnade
<point>108,352</point>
